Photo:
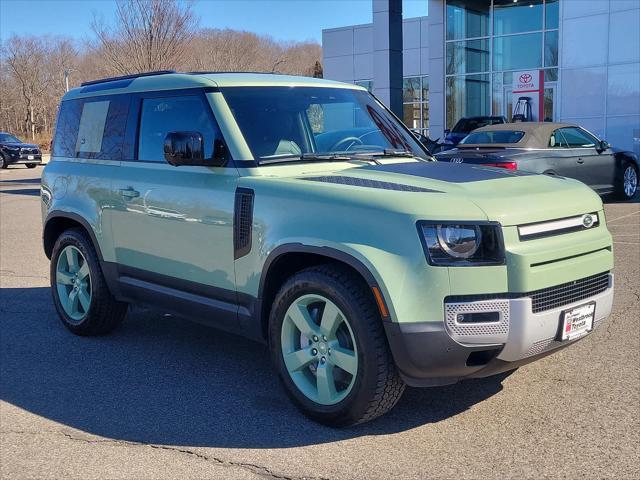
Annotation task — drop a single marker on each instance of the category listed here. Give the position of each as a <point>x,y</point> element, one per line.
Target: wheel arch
<point>59,221</point>
<point>287,259</point>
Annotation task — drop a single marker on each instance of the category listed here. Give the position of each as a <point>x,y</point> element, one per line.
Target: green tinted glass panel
<point>411,89</point>
<point>467,95</point>
<point>470,56</point>
<point>551,49</point>
<point>516,17</point>
<point>551,75</point>
<point>467,18</point>
<point>517,52</point>
<point>551,19</point>
<point>425,89</point>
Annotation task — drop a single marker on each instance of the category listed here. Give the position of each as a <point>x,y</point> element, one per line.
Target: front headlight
<point>462,244</point>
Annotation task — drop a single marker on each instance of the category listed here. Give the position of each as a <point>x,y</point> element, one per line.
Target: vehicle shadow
<point>22,191</point>
<point>164,380</point>
<point>35,180</point>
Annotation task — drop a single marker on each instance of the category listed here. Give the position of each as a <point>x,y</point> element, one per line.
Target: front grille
<point>29,151</point>
<point>551,297</point>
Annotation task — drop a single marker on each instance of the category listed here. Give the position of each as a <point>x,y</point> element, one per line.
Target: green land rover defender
<point>302,213</point>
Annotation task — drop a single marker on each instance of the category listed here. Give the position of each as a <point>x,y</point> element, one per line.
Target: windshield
<point>490,137</point>
<point>467,125</point>
<point>6,138</point>
<point>294,121</point>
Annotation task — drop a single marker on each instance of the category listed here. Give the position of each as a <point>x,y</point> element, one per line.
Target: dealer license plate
<point>577,322</point>
<point>30,157</point>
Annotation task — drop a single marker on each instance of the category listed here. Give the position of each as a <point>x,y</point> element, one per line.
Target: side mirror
<point>187,148</point>
<point>184,148</point>
<point>603,145</point>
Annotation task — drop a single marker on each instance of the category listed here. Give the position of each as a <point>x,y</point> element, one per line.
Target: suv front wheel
<point>329,347</point>
<point>81,297</point>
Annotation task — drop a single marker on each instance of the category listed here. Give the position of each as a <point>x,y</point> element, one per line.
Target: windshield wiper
<point>388,152</point>
<point>313,157</point>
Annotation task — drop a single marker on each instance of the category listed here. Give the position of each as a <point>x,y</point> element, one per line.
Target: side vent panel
<point>242,222</point>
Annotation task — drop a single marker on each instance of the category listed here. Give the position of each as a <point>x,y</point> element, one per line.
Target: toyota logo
<point>456,160</point>
<point>587,221</point>
<point>525,78</point>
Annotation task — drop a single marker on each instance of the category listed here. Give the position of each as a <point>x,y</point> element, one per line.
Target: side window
<point>65,138</point>
<point>576,138</point>
<point>556,140</point>
<point>91,128</point>
<point>160,116</point>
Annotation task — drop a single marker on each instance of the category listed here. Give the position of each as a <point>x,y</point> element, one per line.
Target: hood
<point>19,145</point>
<point>508,196</point>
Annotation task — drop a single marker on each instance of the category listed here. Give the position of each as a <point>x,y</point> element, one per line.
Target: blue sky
<point>282,19</point>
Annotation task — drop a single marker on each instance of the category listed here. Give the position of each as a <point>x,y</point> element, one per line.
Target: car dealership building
<point>575,61</point>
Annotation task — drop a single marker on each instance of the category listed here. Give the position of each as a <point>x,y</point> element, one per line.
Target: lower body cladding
<point>490,334</point>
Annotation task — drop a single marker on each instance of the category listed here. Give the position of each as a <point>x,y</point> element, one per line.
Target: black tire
<point>378,386</point>
<point>620,188</point>
<point>31,165</point>
<point>3,162</point>
<point>105,313</point>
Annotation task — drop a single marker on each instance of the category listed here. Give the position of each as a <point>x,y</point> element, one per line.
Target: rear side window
<point>489,137</point>
<point>159,116</point>
<point>91,128</point>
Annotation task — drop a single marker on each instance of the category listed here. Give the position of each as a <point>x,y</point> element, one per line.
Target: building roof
<point>175,81</point>
<point>536,134</point>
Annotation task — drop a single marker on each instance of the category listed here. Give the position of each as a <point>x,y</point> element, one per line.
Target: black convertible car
<point>13,151</point>
<point>551,148</point>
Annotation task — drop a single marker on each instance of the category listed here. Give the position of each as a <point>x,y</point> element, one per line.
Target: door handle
<point>129,192</point>
<point>580,161</point>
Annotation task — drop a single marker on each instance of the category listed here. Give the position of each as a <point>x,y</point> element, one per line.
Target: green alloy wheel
<point>318,349</point>
<point>80,293</point>
<point>329,347</point>
<point>73,282</point>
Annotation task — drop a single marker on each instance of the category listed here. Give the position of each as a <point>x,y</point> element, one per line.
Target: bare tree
<point>27,58</point>
<point>148,35</point>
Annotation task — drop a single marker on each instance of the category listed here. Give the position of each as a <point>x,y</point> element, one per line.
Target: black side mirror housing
<point>187,148</point>
<point>603,145</point>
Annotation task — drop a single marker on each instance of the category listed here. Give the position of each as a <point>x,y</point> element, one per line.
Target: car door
<point>558,158</point>
<point>594,167</point>
<point>173,226</point>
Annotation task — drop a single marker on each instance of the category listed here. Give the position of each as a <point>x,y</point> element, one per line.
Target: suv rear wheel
<point>80,294</point>
<point>329,347</point>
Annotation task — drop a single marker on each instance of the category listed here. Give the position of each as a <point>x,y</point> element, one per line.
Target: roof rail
<point>127,77</point>
<point>206,72</point>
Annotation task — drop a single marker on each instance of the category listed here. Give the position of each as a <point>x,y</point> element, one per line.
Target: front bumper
<point>24,159</point>
<point>439,353</point>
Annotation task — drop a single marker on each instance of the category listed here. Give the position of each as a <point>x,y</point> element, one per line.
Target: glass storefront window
<point>467,18</point>
<point>470,56</point>
<point>551,75</point>
<point>415,94</point>
<point>467,95</point>
<point>411,89</point>
<point>517,52</point>
<point>496,94</point>
<point>425,89</point>
<point>551,14</point>
<point>425,118</point>
<point>411,115</point>
<point>551,48</point>
<point>516,17</point>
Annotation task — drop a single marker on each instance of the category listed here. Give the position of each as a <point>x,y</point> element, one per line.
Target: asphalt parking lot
<point>165,398</point>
